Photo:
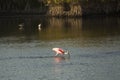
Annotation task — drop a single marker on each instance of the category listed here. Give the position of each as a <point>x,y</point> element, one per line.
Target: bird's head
<point>67,52</point>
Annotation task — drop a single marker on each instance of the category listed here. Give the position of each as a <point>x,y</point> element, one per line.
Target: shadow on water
<point>27,57</point>
<point>59,59</point>
<point>10,26</point>
<point>99,55</point>
<point>59,28</point>
<point>56,58</point>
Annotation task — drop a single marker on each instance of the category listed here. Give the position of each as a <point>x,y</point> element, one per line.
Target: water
<point>26,54</point>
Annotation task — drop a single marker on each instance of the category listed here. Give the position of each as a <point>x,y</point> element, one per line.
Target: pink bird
<point>60,51</point>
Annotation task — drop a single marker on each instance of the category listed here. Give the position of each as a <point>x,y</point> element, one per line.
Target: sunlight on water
<point>26,52</point>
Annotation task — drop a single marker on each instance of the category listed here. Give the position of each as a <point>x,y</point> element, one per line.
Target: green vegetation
<point>61,7</point>
<point>61,1</point>
<point>20,4</point>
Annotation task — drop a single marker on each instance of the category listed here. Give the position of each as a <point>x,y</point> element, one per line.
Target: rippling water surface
<point>26,53</point>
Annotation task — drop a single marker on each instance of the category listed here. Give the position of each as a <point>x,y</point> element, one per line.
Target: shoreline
<point>27,14</point>
<point>79,8</point>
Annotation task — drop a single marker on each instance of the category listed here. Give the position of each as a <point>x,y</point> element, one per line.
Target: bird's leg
<point>56,54</point>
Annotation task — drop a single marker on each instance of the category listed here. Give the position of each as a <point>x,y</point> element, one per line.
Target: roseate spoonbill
<point>60,51</point>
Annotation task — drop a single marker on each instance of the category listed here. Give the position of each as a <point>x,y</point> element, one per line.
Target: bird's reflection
<point>59,59</point>
<point>59,62</point>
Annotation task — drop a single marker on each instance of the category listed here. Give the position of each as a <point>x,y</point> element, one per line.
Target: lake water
<point>26,52</point>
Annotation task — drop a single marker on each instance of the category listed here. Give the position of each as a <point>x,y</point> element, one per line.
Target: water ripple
<point>26,57</point>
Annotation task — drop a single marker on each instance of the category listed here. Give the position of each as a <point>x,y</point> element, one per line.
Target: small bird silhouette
<point>39,26</point>
<point>21,26</point>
